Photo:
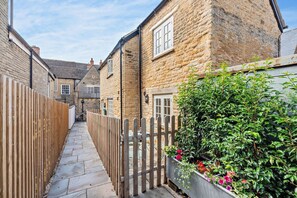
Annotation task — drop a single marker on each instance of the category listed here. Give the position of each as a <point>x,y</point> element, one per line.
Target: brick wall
<point>15,59</point>
<point>242,30</point>
<point>40,79</point>
<point>192,47</point>
<point>110,86</point>
<point>218,31</point>
<point>130,80</point>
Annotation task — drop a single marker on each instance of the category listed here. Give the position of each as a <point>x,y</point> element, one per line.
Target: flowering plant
<point>241,122</point>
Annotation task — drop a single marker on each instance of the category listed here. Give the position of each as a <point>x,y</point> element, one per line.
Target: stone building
<point>119,79</point>
<point>180,34</point>
<point>19,60</point>
<point>68,76</point>
<point>88,93</point>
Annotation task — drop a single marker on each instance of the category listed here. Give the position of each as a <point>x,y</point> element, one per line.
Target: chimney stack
<point>91,63</point>
<point>100,63</point>
<point>36,49</point>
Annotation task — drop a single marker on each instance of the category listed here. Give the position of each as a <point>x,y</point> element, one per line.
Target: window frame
<point>162,98</point>
<point>109,67</point>
<point>108,107</point>
<point>68,89</point>
<point>161,45</point>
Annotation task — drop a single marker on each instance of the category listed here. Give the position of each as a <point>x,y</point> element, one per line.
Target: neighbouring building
<point>178,35</point>
<point>288,43</point>
<point>69,74</point>
<point>119,77</point>
<point>19,60</point>
<point>88,92</point>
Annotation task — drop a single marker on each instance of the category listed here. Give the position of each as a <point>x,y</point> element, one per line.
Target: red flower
<point>244,181</point>
<point>200,164</point>
<point>221,181</point>
<point>179,157</point>
<point>179,151</point>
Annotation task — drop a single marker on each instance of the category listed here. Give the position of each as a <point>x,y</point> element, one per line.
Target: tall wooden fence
<point>135,158</point>
<point>33,130</point>
<point>105,133</point>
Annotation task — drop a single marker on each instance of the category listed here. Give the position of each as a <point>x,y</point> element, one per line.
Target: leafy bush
<point>241,124</point>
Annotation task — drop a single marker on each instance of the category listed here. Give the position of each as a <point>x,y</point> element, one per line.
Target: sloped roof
<point>288,43</point>
<point>68,69</point>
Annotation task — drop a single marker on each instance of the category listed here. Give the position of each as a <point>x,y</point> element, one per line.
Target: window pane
<point>167,36</point>
<point>96,89</point>
<point>158,107</point>
<point>167,107</point>
<point>110,108</point>
<point>65,89</point>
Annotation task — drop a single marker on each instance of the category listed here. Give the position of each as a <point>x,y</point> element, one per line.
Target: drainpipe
<point>121,83</point>
<point>139,71</point>
<point>11,13</point>
<point>31,68</point>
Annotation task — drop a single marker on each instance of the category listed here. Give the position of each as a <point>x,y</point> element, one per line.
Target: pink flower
<point>179,157</point>
<point>208,179</point>
<point>221,181</point>
<point>228,179</point>
<point>229,188</point>
<point>179,151</point>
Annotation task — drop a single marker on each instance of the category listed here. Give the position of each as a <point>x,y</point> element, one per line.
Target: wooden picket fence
<point>33,130</point>
<point>134,159</point>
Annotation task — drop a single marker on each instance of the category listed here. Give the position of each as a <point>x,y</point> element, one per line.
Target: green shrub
<point>239,122</point>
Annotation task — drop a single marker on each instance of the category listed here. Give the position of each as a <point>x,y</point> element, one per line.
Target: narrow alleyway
<point>80,172</point>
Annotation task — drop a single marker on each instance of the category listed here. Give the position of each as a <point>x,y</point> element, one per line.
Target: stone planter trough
<point>199,186</point>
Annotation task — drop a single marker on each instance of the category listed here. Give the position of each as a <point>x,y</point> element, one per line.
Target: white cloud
<point>78,30</point>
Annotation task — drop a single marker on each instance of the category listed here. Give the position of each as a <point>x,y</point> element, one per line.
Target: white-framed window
<point>92,90</point>
<point>65,89</point>
<point>110,67</point>
<point>163,37</point>
<point>110,107</point>
<point>163,106</point>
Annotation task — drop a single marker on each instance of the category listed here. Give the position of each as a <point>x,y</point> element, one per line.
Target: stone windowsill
<point>163,54</point>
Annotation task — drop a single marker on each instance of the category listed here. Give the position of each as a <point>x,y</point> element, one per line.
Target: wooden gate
<point>134,159</point>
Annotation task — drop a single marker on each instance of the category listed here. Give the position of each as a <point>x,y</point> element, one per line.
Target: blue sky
<point>77,30</point>
<point>289,12</point>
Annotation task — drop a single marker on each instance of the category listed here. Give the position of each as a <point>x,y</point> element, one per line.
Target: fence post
<point>143,142</point>
<point>152,153</point>
<point>126,159</point>
<point>172,130</point>
<point>135,158</point>
<point>159,153</point>
<point>167,119</point>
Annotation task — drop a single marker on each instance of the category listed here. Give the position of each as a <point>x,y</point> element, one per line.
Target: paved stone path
<point>80,173</point>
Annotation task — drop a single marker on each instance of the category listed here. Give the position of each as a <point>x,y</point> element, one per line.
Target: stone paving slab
<point>103,190</point>
<point>80,169</point>
<point>88,181</point>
